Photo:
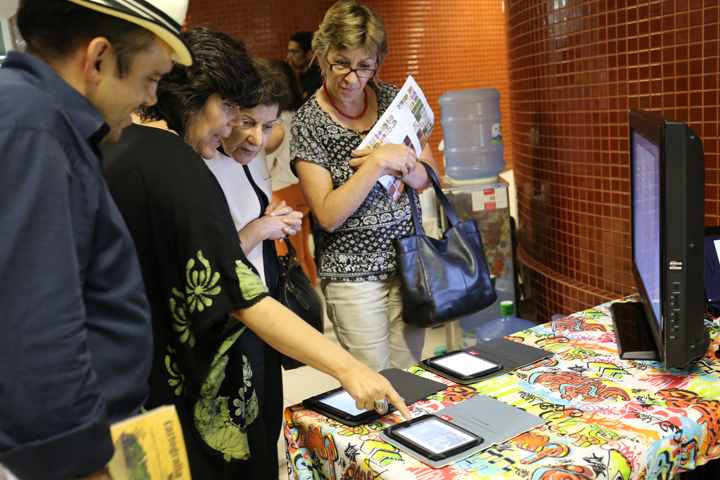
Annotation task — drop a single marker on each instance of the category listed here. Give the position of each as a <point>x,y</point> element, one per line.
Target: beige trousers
<point>367,319</point>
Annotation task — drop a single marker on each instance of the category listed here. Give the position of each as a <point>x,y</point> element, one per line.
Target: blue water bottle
<point>472,134</point>
<point>506,325</point>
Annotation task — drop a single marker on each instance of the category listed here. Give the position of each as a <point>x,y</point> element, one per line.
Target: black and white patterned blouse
<point>361,249</point>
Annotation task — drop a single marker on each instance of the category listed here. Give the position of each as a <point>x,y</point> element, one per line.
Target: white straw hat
<point>162,17</point>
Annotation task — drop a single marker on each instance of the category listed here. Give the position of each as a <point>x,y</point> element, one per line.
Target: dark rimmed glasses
<point>345,70</point>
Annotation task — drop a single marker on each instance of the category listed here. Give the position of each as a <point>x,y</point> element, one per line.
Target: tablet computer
<point>463,365</point>
<point>339,405</point>
<point>433,437</point>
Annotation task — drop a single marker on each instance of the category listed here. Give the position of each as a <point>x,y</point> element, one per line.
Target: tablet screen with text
<point>436,436</point>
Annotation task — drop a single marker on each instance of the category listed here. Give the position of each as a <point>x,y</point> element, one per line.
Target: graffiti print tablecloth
<point>606,418</point>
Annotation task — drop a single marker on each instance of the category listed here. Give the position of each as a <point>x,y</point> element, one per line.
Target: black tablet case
<point>410,387</point>
<point>485,416</point>
<point>509,354</point>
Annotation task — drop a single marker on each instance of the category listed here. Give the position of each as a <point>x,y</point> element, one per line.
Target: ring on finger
<point>381,406</point>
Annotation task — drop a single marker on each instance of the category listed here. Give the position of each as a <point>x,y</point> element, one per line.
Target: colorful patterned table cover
<point>607,418</point>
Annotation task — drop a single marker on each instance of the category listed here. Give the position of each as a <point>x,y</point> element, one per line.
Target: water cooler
<point>473,157</point>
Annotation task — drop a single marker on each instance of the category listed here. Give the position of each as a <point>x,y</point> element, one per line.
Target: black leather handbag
<point>296,292</point>
<point>447,279</point>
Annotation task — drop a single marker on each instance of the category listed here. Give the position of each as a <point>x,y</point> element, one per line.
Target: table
<point>606,418</point>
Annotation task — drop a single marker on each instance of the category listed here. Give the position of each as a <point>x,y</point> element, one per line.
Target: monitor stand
<point>632,332</point>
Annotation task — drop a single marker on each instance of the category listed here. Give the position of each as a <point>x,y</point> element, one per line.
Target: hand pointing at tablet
<point>365,386</point>
<point>272,322</point>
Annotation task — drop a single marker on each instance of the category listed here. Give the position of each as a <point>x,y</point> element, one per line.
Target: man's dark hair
<point>304,39</point>
<point>295,99</point>
<point>221,65</point>
<point>54,29</point>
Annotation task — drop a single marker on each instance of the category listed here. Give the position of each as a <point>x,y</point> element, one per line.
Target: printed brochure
<point>149,446</point>
<point>409,120</point>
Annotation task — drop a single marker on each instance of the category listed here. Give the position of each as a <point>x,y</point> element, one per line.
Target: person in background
<point>75,323</point>
<point>205,295</point>
<point>357,219</point>
<point>300,57</point>
<point>285,185</point>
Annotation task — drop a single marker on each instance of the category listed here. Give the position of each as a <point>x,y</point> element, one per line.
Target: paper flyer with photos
<point>409,120</point>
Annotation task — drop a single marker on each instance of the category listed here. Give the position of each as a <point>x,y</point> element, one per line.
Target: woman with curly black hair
<point>211,312</point>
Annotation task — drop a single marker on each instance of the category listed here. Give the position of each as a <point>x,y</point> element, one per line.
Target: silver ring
<point>381,406</point>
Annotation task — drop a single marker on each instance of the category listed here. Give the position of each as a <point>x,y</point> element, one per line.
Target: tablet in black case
<point>509,354</point>
<point>467,365</point>
<point>338,405</point>
<point>433,437</point>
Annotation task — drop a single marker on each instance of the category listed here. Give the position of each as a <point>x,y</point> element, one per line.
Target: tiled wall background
<point>445,45</point>
<point>568,74</point>
<point>576,68</point>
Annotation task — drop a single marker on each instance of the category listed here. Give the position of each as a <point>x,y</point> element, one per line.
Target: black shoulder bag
<point>293,287</point>
<point>296,292</point>
<point>442,280</point>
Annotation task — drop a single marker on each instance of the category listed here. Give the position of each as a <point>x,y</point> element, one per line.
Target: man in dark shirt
<point>300,57</point>
<point>75,333</point>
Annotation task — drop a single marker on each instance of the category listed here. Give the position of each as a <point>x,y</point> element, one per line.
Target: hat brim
<point>181,52</point>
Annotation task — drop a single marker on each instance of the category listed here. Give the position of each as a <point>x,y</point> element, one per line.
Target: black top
<point>196,272</point>
<point>311,80</point>
<point>75,323</point>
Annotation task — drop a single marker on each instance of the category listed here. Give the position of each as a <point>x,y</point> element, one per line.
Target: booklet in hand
<point>409,120</point>
<point>340,406</point>
<point>149,446</point>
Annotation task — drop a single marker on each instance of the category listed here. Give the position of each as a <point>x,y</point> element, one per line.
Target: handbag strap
<point>449,210</point>
<point>263,205</point>
<point>416,217</point>
<point>291,249</point>
<point>264,202</point>
<point>268,246</point>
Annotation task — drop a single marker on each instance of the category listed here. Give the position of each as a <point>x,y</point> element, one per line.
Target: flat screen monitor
<point>667,169</point>
<point>712,269</point>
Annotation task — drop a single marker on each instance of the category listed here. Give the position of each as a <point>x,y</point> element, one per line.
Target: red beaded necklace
<point>343,113</point>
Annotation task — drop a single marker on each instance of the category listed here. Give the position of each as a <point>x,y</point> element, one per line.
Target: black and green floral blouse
<point>195,274</point>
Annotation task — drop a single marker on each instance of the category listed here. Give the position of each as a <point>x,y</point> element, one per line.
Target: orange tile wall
<point>445,45</point>
<point>576,68</point>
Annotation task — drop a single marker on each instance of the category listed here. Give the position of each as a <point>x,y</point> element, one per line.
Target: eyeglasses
<point>345,70</point>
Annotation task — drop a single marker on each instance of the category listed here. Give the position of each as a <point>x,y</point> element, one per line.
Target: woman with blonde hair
<point>357,219</point>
